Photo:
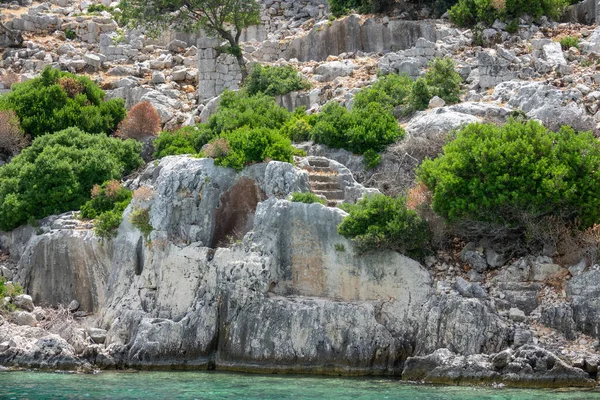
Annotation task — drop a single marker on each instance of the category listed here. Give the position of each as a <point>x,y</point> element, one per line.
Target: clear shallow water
<point>216,386</point>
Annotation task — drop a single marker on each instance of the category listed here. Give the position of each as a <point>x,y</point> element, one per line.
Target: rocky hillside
<point>226,272</point>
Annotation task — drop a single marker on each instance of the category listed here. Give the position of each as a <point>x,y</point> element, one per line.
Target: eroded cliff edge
<point>236,277</point>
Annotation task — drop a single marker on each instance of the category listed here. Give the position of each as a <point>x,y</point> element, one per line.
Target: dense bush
<point>142,121</point>
<point>488,172</point>
<point>380,221</point>
<point>390,91</point>
<point>307,198</point>
<point>246,145</point>
<point>58,100</point>
<point>56,173</point>
<point>12,138</point>
<point>274,80</point>
<point>237,110</point>
<point>369,128</point>
<point>471,12</point>
<point>187,140</point>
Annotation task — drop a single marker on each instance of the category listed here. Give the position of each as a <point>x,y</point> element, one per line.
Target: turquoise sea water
<point>216,385</point>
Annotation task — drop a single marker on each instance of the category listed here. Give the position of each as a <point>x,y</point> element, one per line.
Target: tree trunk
<point>237,51</point>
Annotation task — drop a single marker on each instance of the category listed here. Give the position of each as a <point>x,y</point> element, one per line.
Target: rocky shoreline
<point>275,300</point>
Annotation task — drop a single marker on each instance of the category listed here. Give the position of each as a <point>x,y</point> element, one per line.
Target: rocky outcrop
<point>528,366</point>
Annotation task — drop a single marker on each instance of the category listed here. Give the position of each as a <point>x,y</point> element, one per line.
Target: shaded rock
<point>97,335</point>
<point>73,306</point>
<point>560,317</point>
<point>584,292</point>
<point>466,326</point>
<point>516,315</point>
<point>472,256</point>
<point>522,337</point>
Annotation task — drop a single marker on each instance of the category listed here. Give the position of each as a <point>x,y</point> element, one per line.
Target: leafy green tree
<point>56,173</point>
<point>443,80</point>
<point>489,171</point>
<point>223,18</point>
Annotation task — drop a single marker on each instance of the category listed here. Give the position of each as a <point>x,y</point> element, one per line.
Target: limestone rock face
<point>65,264</point>
<point>291,296</point>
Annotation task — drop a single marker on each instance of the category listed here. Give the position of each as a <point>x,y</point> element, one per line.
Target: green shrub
<point>380,222</point>
<point>99,8</point>
<point>56,173</point>
<point>297,129</point>
<point>419,95</point>
<point>372,127</point>
<point>569,41</point>
<point>187,140</point>
<point>237,110</point>
<point>471,12</point>
<point>244,146</point>
<point>332,126</point>
<point>371,159</point>
<point>274,80</point>
<point>308,198</point>
<point>58,100</point>
<point>140,218</point>
<point>443,80</point>
<point>107,223</point>
<point>488,172</point>
<point>390,91</point>
<point>70,34</point>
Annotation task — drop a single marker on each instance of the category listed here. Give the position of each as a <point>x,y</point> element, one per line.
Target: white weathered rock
<point>436,102</point>
<point>334,69</point>
<point>25,318</point>
<point>24,302</point>
<point>516,315</point>
<point>93,60</point>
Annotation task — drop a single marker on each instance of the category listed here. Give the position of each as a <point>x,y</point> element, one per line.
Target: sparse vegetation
<point>569,41</point>
<point>10,290</point>
<point>307,198</point>
<point>140,218</point>
<point>12,138</point>
<point>106,206</point>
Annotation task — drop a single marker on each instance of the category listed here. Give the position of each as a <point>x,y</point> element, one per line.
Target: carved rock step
<point>322,178</point>
<point>321,186</point>
<point>330,194</point>
<point>315,162</point>
<point>320,170</point>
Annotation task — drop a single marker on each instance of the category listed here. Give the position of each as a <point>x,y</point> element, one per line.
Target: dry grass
<point>143,193</point>
<point>12,138</point>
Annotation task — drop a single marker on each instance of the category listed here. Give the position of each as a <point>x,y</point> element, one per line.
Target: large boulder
<point>584,292</point>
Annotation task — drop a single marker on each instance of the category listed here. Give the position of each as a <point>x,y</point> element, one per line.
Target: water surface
<point>218,385</point>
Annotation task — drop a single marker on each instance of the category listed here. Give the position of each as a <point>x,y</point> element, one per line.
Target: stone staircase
<point>324,181</point>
